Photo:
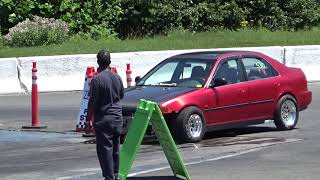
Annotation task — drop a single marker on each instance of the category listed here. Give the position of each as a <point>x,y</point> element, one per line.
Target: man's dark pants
<point>108,132</point>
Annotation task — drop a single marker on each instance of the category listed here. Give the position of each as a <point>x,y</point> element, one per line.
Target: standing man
<point>106,90</point>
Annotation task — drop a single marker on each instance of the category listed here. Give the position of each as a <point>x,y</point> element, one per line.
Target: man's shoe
<point>116,178</point>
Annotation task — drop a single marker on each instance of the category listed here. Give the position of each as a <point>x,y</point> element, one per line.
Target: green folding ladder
<point>148,111</point>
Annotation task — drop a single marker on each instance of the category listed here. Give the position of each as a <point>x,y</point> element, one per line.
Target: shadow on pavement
<point>154,178</point>
<point>239,131</point>
<point>255,130</point>
<point>151,140</point>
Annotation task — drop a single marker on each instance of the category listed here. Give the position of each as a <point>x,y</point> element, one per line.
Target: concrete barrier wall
<point>305,57</point>
<point>9,82</point>
<point>65,73</point>
<point>56,73</point>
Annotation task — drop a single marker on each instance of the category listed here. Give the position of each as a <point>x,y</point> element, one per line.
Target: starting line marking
<point>189,163</point>
<point>196,162</point>
<point>216,158</point>
<point>167,167</point>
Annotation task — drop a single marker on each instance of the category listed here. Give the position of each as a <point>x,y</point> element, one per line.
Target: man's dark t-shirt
<point>106,90</point>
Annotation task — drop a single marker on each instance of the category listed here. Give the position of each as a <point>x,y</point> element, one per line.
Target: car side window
<point>193,69</point>
<point>229,71</point>
<point>256,68</point>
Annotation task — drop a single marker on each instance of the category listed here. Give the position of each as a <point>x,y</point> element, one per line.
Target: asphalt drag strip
<point>151,158</point>
<point>206,153</point>
<point>69,156</point>
<point>261,151</point>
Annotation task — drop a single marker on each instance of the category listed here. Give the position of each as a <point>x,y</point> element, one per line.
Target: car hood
<point>151,93</point>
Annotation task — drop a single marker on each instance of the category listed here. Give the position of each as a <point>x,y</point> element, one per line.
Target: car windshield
<point>185,72</point>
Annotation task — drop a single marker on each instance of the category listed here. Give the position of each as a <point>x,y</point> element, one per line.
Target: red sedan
<point>205,91</point>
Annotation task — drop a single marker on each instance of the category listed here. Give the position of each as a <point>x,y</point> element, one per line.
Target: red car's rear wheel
<point>287,113</point>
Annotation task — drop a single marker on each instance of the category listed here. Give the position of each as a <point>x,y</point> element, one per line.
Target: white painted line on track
<point>197,162</point>
<point>71,177</point>
<point>167,167</point>
<point>216,158</point>
<point>187,164</point>
<point>83,172</point>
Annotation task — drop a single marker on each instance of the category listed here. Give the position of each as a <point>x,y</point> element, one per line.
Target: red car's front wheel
<point>189,126</point>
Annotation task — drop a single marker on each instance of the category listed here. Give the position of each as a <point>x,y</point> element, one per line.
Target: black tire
<point>287,105</point>
<point>181,130</point>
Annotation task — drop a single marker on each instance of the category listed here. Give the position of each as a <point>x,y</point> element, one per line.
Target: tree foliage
<point>136,18</point>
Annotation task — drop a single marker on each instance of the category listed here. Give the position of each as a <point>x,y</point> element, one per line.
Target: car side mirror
<point>219,82</point>
<point>137,79</point>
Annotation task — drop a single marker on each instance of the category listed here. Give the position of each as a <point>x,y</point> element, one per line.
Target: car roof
<point>204,54</point>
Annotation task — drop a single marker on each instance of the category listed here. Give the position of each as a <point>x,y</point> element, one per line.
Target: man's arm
<point>94,95</point>
<point>121,89</point>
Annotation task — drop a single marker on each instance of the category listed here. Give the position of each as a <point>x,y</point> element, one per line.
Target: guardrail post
<point>34,101</point>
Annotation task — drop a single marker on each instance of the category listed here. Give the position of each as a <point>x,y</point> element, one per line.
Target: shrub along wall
<point>132,18</point>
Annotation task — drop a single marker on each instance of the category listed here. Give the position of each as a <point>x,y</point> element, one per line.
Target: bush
<point>282,15</point>
<point>210,15</point>
<point>97,32</point>
<point>138,18</point>
<point>302,14</point>
<point>83,16</point>
<point>148,18</point>
<point>1,40</point>
<point>37,31</point>
<point>12,11</point>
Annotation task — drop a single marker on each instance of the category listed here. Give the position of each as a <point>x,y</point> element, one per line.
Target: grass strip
<point>175,40</point>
